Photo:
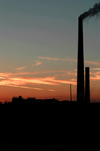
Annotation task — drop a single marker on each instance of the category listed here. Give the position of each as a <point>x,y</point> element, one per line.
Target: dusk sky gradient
<point>39,45</point>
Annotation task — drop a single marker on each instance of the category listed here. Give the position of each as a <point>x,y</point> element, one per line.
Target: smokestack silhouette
<point>80,69</point>
<point>87,86</point>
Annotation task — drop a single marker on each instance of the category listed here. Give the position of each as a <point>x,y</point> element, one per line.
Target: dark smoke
<point>91,12</point>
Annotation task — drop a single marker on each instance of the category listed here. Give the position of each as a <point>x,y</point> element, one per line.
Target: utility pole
<point>70,93</point>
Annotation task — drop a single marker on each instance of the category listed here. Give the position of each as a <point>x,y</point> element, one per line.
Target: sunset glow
<point>38,49</point>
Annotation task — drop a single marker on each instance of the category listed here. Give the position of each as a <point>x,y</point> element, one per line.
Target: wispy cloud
<point>70,73</point>
<point>25,87</point>
<point>7,74</point>
<point>97,77</point>
<point>37,63</point>
<point>18,81</point>
<point>70,60</point>
<point>23,82</point>
<point>47,58</point>
<point>93,63</point>
<point>57,59</point>
<point>51,90</point>
<point>95,68</point>
<point>73,80</point>
<point>66,82</point>
<point>20,68</point>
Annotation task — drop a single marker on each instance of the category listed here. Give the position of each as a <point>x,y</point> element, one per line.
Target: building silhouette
<point>20,100</point>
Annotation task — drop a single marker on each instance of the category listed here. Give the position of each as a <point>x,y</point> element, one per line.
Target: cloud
<point>25,87</point>
<point>17,79</point>
<point>22,82</point>
<point>51,90</point>
<point>50,78</point>
<point>95,68</point>
<point>60,81</point>
<point>58,59</point>
<point>8,74</point>
<point>96,75</point>
<point>93,63</point>
<point>27,80</point>
<point>37,88</point>
<point>37,63</point>
<point>95,78</point>
<point>73,80</point>
<point>66,82</point>
<point>20,68</point>
<point>70,60</point>
<point>47,58</point>
<point>70,73</point>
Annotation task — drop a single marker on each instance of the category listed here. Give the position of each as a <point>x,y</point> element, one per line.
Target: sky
<point>39,45</point>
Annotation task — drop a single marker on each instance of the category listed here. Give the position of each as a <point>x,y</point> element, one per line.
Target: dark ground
<point>15,147</point>
<point>49,127</point>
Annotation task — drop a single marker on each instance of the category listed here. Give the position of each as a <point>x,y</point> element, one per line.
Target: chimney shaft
<point>87,86</point>
<point>80,65</point>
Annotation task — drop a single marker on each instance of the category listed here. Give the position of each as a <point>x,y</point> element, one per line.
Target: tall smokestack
<point>80,69</point>
<point>87,86</point>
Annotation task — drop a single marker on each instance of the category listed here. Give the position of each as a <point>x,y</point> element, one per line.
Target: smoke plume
<point>91,12</point>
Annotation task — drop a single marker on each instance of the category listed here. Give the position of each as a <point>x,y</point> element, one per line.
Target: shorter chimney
<point>87,86</point>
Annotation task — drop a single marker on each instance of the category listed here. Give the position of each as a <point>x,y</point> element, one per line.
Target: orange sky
<point>46,84</point>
